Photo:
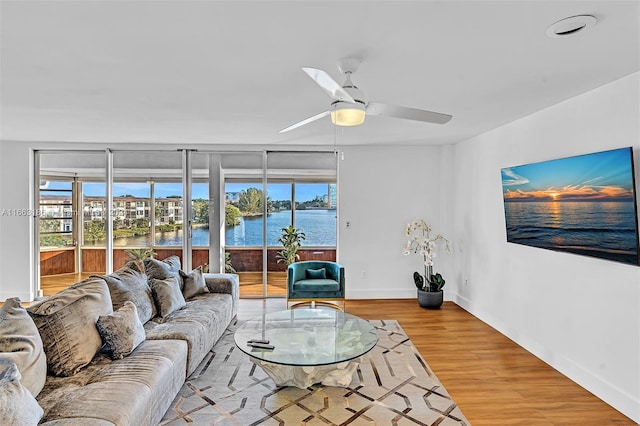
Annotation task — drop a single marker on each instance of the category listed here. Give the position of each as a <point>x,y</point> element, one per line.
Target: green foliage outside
<point>94,231</point>
<point>232,215</point>
<point>250,202</point>
<point>317,203</point>
<point>201,210</point>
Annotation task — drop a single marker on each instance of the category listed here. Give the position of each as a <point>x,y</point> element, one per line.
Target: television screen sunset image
<point>584,205</point>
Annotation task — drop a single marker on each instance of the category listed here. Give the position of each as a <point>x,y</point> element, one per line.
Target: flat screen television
<point>583,205</point>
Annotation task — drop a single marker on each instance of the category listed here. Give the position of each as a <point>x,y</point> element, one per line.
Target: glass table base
<point>339,374</point>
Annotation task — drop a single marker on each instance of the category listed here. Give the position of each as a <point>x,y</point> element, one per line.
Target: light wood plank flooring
<point>493,380</point>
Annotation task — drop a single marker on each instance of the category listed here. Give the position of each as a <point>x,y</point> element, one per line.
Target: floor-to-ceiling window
<point>106,206</point>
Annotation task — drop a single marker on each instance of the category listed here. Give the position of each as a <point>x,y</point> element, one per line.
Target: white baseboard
<point>390,294</point>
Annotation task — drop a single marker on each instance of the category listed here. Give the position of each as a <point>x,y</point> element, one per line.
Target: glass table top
<point>307,336</point>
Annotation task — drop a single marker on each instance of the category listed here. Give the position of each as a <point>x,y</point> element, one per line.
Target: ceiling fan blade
<point>375,108</point>
<point>307,121</point>
<point>328,84</point>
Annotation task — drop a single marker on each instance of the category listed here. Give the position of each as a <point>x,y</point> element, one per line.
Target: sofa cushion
<point>167,295</point>
<point>17,404</point>
<point>131,284</point>
<point>67,324</point>
<point>136,390</point>
<point>200,323</point>
<point>163,269</point>
<point>316,274</point>
<point>193,283</point>
<point>316,285</point>
<point>121,331</point>
<point>20,342</point>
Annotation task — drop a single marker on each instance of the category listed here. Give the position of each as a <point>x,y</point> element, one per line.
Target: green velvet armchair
<point>315,280</point>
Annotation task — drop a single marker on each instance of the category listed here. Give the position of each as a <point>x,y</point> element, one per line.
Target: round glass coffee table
<point>310,345</point>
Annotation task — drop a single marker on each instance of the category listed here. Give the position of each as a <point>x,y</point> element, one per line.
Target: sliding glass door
<point>301,196</point>
<point>66,220</point>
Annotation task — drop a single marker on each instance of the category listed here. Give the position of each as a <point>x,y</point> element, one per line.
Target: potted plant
<point>291,240</point>
<point>420,241</point>
<point>138,256</point>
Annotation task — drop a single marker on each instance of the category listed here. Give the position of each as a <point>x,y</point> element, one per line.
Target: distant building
<point>333,196</point>
<point>232,197</point>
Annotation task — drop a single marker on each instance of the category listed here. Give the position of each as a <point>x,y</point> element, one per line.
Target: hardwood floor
<point>493,380</point>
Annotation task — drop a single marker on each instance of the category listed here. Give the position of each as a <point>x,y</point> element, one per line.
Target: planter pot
<point>430,299</point>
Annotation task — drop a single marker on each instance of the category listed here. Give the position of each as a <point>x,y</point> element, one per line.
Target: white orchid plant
<point>422,242</point>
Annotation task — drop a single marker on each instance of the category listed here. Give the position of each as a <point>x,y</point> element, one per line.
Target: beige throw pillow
<point>67,325</point>
<point>163,269</point>
<point>122,330</point>
<point>130,284</point>
<point>20,342</point>
<point>17,405</point>
<point>168,295</point>
<point>194,283</point>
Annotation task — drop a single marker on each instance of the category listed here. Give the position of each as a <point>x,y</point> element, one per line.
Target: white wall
<point>381,190</point>
<point>15,226</point>
<point>579,314</point>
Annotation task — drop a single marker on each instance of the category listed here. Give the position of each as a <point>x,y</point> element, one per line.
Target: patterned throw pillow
<point>67,325</point>
<point>163,269</point>
<point>122,330</point>
<point>129,283</point>
<point>194,283</point>
<point>167,294</point>
<point>17,405</point>
<point>20,342</point>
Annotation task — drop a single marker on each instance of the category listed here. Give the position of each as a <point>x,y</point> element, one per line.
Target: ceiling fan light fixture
<point>347,114</point>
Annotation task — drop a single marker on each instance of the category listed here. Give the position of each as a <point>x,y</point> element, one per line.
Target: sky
<point>603,176</point>
<point>304,191</point>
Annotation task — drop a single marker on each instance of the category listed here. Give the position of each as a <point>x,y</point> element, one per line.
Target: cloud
<point>572,193</point>
<point>592,180</point>
<point>510,178</point>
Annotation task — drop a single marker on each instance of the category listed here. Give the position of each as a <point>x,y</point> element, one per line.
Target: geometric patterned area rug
<point>392,386</point>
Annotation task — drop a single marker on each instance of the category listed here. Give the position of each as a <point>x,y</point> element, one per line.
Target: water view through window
<point>315,214</point>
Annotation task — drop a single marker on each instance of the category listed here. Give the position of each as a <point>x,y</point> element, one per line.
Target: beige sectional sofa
<point>138,388</point>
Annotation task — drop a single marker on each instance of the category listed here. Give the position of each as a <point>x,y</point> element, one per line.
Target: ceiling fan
<point>349,106</point>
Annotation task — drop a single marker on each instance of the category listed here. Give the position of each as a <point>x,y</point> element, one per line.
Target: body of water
<point>319,227</point>
<point>600,229</point>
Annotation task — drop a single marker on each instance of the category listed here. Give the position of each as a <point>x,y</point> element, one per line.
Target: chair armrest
<point>226,284</point>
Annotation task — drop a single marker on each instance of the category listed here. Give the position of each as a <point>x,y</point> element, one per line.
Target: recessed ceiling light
<point>570,26</point>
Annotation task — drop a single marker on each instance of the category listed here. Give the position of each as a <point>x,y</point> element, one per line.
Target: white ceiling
<point>228,72</point>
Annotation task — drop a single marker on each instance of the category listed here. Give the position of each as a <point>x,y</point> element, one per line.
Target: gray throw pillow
<point>67,325</point>
<point>20,342</point>
<point>129,284</point>
<point>194,283</point>
<point>167,294</point>
<point>17,405</point>
<point>121,331</point>
<point>163,269</point>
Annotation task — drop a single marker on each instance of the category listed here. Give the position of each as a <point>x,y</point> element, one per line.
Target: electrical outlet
<point>466,283</point>
<point>364,275</point>
<point>347,224</point>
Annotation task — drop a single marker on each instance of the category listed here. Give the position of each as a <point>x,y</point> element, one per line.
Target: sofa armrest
<point>225,283</point>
